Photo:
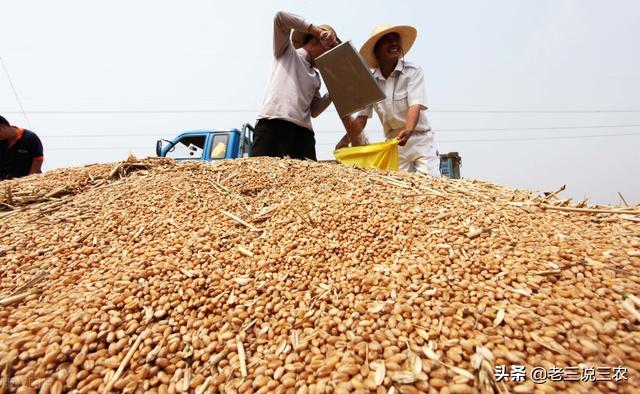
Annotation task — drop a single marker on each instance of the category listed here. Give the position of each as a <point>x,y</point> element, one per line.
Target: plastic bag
<point>382,155</point>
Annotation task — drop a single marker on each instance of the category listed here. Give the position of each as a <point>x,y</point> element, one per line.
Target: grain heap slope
<point>271,275</point>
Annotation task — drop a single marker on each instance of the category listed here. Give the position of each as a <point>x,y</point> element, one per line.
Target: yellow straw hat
<point>407,34</point>
<point>298,37</point>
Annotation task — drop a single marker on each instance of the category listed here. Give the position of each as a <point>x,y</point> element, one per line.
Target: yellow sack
<point>382,155</point>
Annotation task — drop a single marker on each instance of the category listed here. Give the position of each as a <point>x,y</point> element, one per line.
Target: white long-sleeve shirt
<point>293,90</point>
<point>404,88</point>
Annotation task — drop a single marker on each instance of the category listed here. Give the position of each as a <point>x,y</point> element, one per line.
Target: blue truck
<point>208,144</point>
<point>217,144</point>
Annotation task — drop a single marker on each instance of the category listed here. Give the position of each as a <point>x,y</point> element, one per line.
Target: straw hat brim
<point>298,37</point>
<point>407,34</point>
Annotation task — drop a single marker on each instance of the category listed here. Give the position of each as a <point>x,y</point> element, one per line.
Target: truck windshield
<point>219,146</point>
<point>188,147</point>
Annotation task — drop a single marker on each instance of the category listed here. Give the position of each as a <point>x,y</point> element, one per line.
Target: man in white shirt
<point>402,112</point>
<point>293,91</point>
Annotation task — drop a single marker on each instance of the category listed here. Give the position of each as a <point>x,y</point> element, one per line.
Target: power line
<point>101,148</point>
<point>134,111</point>
<point>534,111</point>
<point>155,135</point>
<point>15,92</point>
<point>517,128</point>
<point>542,128</point>
<point>206,111</point>
<point>572,137</point>
<point>575,137</point>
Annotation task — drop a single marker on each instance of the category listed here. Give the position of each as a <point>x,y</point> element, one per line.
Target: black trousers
<point>280,138</point>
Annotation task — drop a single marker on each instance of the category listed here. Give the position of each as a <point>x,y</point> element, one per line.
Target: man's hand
<point>343,143</point>
<point>413,116</point>
<point>326,37</point>
<point>36,166</point>
<point>403,136</point>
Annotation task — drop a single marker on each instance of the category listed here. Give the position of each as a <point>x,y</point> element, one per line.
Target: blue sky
<point>506,80</point>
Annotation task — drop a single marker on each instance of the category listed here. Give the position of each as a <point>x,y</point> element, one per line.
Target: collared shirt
<point>17,156</point>
<point>294,85</point>
<point>404,88</point>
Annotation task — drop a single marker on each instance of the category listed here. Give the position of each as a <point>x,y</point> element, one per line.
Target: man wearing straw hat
<point>293,91</point>
<point>402,112</point>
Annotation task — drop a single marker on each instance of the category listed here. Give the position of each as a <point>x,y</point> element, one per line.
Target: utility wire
<point>207,111</point>
<point>102,148</point>
<point>134,111</point>
<point>576,137</point>
<point>15,92</point>
<point>324,132</point>
<point>572,137</point>
<point>534,111</point>
<point>541,128</point>
<point>514,128</point>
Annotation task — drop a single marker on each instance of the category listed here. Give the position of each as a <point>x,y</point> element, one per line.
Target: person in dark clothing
<point>20,151</point>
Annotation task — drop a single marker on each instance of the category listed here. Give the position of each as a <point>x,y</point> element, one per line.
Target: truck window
<point>188,147</point>
<point>219,146</point>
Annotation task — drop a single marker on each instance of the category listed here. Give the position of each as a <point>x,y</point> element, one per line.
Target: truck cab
<point>217,144</point>
<point>208,144</point>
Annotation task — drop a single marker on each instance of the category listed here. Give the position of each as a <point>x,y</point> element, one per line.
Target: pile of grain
<point>271,275</point>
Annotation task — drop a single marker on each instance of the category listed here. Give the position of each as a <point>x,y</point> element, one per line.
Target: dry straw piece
<point>276,275</point>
